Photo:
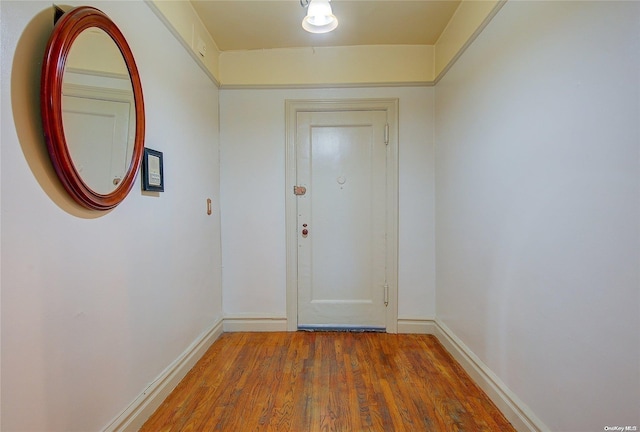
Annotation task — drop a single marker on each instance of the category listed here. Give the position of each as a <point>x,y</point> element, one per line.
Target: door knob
<point>305,232</point>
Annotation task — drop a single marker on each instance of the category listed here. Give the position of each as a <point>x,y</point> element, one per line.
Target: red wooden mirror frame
<point>66,30</point>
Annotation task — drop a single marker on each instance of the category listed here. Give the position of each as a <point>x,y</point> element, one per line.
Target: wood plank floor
<point>327,381</point>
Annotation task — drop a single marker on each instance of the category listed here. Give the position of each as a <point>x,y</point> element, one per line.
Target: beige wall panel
<point>334,65</point>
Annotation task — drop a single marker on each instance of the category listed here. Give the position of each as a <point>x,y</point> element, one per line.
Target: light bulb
<point>320,18</point>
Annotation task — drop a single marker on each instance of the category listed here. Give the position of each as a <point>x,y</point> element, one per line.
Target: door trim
<point>292,108</point>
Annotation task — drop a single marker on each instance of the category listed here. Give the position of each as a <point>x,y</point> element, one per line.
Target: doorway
<point>342,214</point>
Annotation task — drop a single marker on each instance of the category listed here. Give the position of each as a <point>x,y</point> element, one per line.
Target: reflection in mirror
<point>98,110</point>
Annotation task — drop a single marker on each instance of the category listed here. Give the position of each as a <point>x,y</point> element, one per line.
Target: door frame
<point>292,108</point>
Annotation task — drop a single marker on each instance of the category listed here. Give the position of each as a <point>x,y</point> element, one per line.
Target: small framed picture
<point>152,175</point>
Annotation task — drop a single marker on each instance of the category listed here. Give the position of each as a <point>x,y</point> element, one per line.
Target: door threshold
<point>352,329</point>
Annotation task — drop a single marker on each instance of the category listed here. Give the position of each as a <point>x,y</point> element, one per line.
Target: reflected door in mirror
<point>97,134</point>
<point>98,111</point>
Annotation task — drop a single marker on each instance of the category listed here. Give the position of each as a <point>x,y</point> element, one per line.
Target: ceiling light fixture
<point>320,18</point>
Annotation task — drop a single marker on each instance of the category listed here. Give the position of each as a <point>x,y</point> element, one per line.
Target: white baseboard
<point>149,400</point>
<point>417,326</point>
<point>246,323</point>
<point>519,414</point>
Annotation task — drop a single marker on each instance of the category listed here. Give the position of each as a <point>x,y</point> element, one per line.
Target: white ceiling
<point>266,24</point>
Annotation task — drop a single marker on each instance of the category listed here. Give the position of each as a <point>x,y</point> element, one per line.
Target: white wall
<point>96,306</point>
<point>538,207</point>
<point>253,186</point>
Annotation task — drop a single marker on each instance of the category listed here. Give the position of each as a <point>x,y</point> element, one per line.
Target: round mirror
<point>92,108</point>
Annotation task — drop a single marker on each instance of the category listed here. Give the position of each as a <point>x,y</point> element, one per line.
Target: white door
<point>341,161</point>
<point>98,135</point>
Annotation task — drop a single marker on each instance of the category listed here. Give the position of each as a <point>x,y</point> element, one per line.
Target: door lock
<point>305,231</point>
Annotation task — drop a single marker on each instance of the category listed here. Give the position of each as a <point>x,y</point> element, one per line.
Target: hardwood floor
<point>327,381</point>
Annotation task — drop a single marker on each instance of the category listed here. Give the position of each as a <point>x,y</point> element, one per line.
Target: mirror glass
<point>92,108</point>
<point>98,110</point>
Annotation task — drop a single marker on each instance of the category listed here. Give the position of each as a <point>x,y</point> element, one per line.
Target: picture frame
<point>152,171</point>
